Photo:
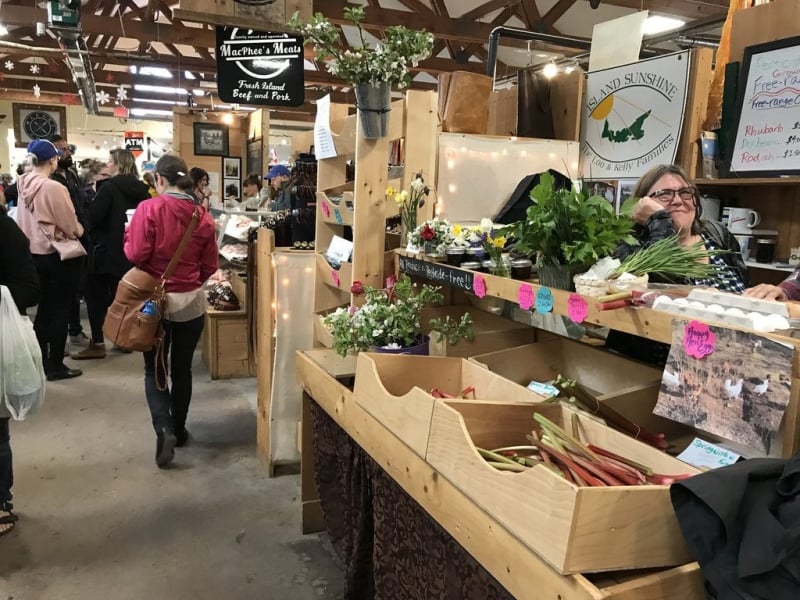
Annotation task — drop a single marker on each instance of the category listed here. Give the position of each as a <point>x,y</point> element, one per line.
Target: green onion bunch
<point>669,257</point>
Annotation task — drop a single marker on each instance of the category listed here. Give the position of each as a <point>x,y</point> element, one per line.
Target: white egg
<point>735,312</point>
<point>777,322</point>
<point>715,308</point>
<point>761,323</point>
<point>681,301</point>
<point>754,315</point>
<point>662,301</point>
<point>698,305</point>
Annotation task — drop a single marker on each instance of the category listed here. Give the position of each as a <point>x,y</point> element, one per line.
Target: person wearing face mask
<point>67,176</point>
<point>45,212</point>
<point>668,205</point>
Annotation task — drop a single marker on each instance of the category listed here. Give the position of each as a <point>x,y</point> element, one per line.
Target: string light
<point>550,70</point>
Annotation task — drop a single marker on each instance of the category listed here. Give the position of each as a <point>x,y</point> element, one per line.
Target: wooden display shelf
<point>333,213</point>
<point>341,278</point>
<point>747,181</point>
<point>520,570</point>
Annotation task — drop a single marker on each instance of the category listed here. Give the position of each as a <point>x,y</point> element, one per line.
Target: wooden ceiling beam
<point>487,7</point>
<point>558,10</point>
<point>679,8</point>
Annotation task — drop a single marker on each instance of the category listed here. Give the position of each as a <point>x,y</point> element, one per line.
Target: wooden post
<point>700,77</point>
<point>265,328</point>
<point>422,144</point>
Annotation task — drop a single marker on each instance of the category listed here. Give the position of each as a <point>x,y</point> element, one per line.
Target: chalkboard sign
<point>438,273</point>
<point>768,133</point>
<point>259,67</point>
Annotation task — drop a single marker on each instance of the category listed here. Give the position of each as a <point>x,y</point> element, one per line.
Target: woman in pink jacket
<point>44,213</point>
<point>151,240</point>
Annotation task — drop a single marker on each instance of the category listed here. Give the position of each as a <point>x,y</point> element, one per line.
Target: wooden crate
<point>575,529</point>
<point>225,349</point>
<point>628,386</point>
<point>492,333</point>
<point>394,389</point>
<point>239,287</point>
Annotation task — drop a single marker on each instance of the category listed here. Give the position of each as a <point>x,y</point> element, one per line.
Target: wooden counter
<point>523,573</point>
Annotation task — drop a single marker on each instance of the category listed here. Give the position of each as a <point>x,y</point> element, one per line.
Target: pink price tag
<point>577,309</point>
<point>525,296</point>
<point>698,339</point>
<point>479,286</point>
<point>326,209</point>
<point>335,276</point>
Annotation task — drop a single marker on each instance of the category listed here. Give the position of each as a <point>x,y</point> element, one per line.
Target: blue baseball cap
<point>276,171</point>
<point>43,149</point>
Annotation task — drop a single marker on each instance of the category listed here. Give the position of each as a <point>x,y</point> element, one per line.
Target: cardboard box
<point>575,529</point>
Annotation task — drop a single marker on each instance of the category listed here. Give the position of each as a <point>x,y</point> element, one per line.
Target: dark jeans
<point>100,292</point>
<point>169,408</point>
<point>59,283</point>
<point>6,469</point>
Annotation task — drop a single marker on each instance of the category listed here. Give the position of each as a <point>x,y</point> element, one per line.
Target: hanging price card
<point>525,296</point>
<point>335,276</point>
<point>544,300</point>
<point>479,286</point>
<point>577,309</point>
<point>698,339</point>
<point>326,209</point>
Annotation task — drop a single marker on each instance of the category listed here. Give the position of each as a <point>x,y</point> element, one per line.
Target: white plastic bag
<point>22,378</point>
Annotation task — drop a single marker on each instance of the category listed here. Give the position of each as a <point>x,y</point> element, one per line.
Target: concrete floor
<point>98,519</point>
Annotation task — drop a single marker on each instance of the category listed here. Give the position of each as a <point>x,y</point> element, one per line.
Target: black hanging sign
<point>437,272</point>
<point>259,67</point>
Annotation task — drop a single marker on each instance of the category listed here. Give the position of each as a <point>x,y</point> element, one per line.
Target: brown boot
<point>93,351</point>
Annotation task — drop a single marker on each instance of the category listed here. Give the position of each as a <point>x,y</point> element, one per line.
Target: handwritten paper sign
<point>698,339</point>
<point>337,215</point>
<point>768,132</point>
<point>544,300</point>
<point>335,277</point>
<point>705,454</point>
<point>438,273</point>
<point>577,309</point>
<point>479,286</point>
<point>525,296</point>
<point>326,209</point>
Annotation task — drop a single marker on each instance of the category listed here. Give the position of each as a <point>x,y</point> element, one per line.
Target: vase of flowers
<point>371,69</point>
<point>409,202</point>
<point>390,319</point>
<point>433,236</point>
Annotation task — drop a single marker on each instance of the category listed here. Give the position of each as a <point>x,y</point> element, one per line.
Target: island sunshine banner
<point>632,116</point>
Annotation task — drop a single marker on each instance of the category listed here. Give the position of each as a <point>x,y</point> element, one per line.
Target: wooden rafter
<point>558,10</point>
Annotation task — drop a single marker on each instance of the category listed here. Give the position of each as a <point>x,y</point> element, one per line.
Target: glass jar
<point>521,268</point>
<point>475,253</point>
<point>472,265</point>
<point>765,250</point>
<point>455,256</point>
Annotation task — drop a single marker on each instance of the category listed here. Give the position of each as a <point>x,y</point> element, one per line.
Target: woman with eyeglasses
<point>669,205</point>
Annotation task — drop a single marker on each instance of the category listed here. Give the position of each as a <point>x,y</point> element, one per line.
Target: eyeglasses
<point>667,195</point>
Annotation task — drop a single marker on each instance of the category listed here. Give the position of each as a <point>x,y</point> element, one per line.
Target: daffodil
<point>390,192</point>
<point>499,242</point>
<point>457,230</point>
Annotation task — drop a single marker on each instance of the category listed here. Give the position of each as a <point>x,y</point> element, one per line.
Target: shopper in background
<point>148,179</point>
<point>67,175</point>
<point>279,176</point>
<point>44,212</point>
<point>668,205</point>
<point>251,192</point>
<point>150,242</point>
<point>106,218</point>
<point>18,274</point>
<point>200,189</point>
<point>11,192</point>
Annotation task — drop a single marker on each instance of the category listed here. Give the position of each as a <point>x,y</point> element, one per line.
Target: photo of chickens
<point>738,392</point>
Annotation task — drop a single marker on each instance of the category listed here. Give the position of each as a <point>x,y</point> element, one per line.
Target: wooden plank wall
<point>183,141</point>
<point>765,23</point>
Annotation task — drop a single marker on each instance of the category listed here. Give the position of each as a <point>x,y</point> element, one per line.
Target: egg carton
<point>732,315</point>
<point>767,307</point>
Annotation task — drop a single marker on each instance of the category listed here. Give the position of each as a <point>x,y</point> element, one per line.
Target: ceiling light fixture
<point>3,30</point>
<point>227,118</point>
<point>159,89</point>
<point>655,24</point>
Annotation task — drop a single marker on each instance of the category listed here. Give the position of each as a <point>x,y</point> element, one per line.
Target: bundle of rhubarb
<point>576,394</point>
<point>578,463</point>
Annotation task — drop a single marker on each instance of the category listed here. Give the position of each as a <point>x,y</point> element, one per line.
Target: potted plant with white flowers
<point>371,68</point>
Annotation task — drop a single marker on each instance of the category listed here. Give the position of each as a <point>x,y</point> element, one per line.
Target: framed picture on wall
<point>232,188</point>
<point>255,157</point>
<point>38,121</point>
<point>232,167</point>
<point>210,139</point>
